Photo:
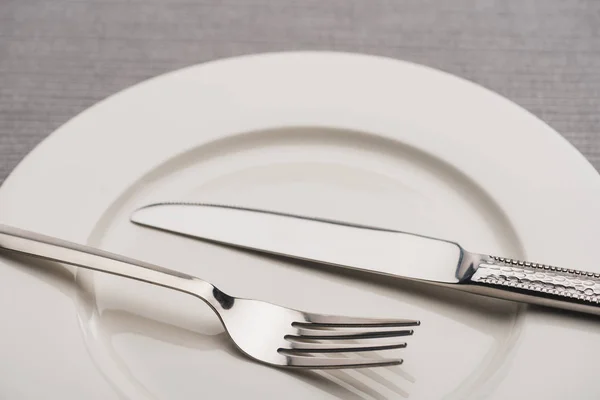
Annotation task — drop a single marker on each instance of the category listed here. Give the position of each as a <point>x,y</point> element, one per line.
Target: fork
<point>265,332</point>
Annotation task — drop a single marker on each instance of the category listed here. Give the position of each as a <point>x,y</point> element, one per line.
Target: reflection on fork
<point>343,384</point>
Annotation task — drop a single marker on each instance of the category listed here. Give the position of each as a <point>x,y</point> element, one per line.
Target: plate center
<point>135,331</point>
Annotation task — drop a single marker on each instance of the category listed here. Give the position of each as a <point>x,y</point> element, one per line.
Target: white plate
<point>353,137</point>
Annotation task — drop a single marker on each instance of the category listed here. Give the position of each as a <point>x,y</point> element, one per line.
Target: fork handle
<point>538,284</point>
<point>50,248</point>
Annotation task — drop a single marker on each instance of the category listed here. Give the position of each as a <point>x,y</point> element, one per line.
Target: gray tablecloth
<point>58,57</point>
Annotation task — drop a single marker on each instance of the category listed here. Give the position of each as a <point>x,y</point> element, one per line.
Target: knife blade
<point>382,251</point>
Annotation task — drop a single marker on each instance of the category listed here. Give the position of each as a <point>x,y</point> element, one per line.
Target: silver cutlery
<point>263,331</point>
<point>381,251</point>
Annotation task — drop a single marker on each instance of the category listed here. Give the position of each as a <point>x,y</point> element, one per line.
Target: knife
<point>381,251</point>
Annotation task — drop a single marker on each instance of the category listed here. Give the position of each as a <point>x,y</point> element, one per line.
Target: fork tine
<point>362,342</point>
<point>323,334</point>
<point>303,361</point>
<point>338,321</point>
<point>314,347</point>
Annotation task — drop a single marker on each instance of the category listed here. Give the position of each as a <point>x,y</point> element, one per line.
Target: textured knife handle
<point>548,282</point>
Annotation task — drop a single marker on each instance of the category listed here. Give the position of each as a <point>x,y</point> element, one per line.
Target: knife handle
<point>538,284</point>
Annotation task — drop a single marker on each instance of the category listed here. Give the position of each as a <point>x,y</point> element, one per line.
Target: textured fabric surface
<point>59,57</point>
